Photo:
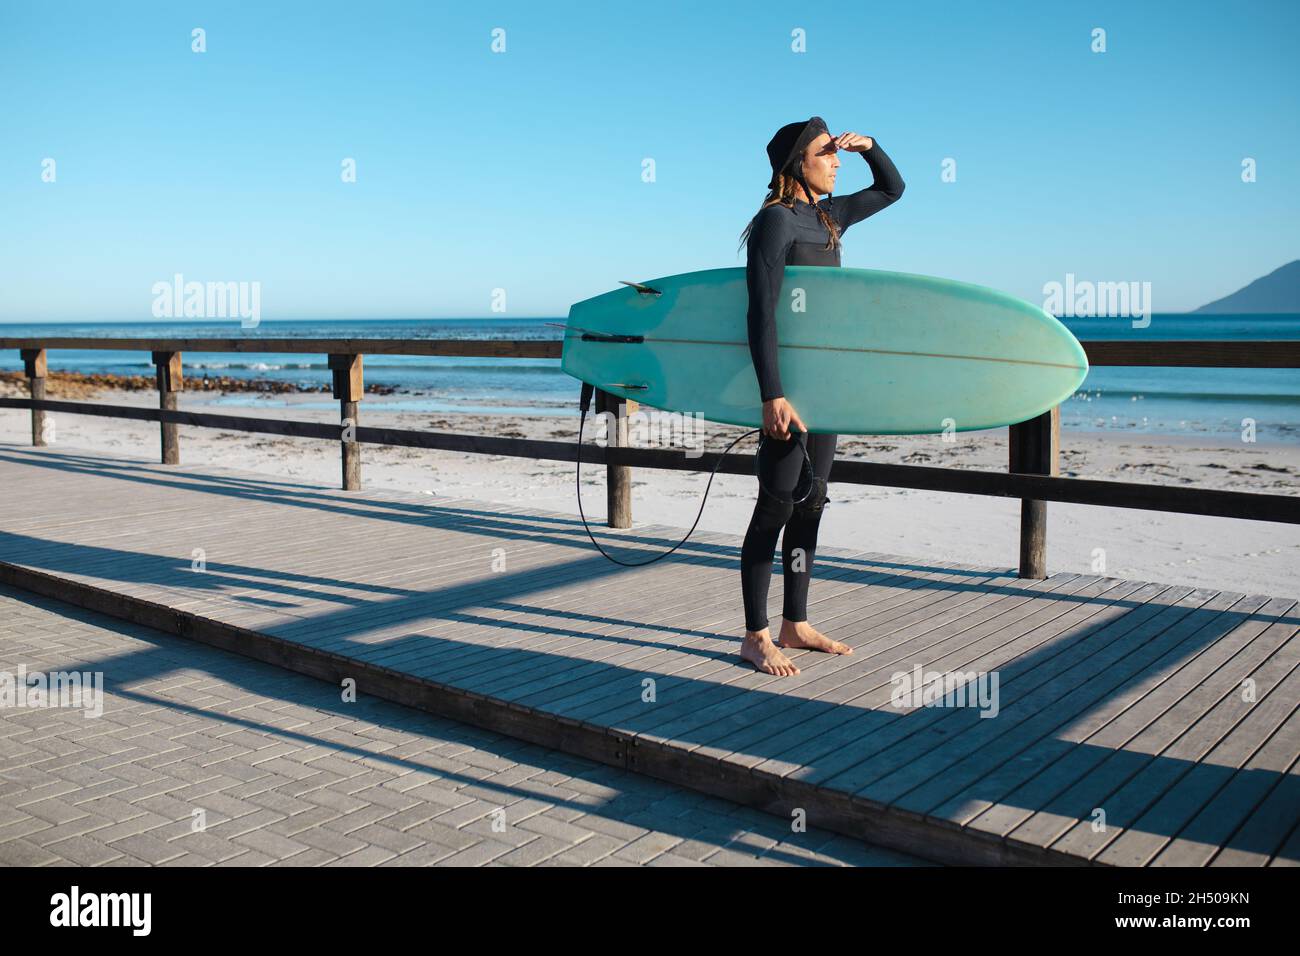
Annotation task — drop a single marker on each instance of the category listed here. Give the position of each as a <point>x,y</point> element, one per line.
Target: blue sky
<point>522,170</point>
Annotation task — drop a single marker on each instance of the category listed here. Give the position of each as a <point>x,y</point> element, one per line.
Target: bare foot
<point>804,636</point>
<point>758,649</point>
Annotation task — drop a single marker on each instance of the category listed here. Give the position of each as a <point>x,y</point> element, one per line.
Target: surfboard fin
<point>643,289</point>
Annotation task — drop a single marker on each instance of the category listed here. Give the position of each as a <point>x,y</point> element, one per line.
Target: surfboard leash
<point>584,405</point>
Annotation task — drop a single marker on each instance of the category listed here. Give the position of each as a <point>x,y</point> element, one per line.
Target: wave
<point>1125,394</point>
<point>256,366</point>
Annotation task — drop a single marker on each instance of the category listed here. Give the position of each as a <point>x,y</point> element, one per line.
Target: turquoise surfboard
<point>861,351</point>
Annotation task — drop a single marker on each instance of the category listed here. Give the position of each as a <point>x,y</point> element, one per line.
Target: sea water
<point>1142,400</point>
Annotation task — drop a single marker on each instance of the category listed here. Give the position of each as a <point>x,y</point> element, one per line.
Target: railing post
<point>1033,446</point>
<point>618,478</point>
<point>34,365</point>
<point>348,389</point>
<point>169,385</point>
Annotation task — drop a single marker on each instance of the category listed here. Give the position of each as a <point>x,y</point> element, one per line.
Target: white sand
<point>1254,557</point>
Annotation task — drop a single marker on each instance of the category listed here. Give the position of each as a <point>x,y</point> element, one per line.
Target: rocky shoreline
<point>87,385</point>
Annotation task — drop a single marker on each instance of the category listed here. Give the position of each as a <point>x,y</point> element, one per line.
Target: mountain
<point>1279,291</point>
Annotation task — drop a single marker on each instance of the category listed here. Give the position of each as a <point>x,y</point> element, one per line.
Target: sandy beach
<point>1254,557</point>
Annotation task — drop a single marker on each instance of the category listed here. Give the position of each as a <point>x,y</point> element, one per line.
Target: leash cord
<point>585,403</point>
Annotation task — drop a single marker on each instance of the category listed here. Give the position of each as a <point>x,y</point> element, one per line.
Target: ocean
<point>1155,401</point>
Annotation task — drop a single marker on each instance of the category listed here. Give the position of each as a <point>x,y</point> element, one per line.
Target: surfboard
<point>861,351</point>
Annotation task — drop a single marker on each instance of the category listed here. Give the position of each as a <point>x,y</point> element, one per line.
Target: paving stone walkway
<point>278,770</point>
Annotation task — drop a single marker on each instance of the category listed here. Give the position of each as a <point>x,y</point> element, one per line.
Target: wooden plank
<point>1095,781</point>
<point>1273,811</point>
<point>190,528</point>
<point>225,566</point>
<point>1038,683</point>
<point>618,478</point>
<point>879,724</point>
<point>127,544</point>
<point>459,540</point>
<point>1085,674</point>
<point>572,699</point>
<point>1278,814</point>
<point>36,368</point>
<point>851,750</point>
<point>1289,854</point>
<point>559,580</point>
<point>861,765</point>
<point>704,689</point>
<point>722,587</point>
<point>676,674</point>
<point>479,348</point>
<point>382,580</point>
<point>1129,718</point>
<point>831,580</point>
<point>35,361</point>
<point>185,519</point>
<point>440,608</point>
<point>543,631</point>
<point>733,724</point>
<point>1033,448</point>
<point>1282,353</point>
<point>1244,730</point>
<point>350,451</point>
<point>1197,354</point>
<point>483,646</point>
<point>1146,780</point>
<point>347,376</point>
<point>372,579</point>
<point>349,389</point>
<point>168,371</point>
<point>532,628</point>
<point>116,563</point>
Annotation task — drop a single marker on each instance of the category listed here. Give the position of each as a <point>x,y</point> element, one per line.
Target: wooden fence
<point>1032,475</point>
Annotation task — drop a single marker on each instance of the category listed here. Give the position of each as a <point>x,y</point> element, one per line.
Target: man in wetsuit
<point>794,228</point>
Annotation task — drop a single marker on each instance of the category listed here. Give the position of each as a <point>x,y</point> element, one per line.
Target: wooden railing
<point>1032,476</point>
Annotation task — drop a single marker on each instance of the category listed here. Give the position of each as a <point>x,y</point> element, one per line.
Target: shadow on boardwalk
<point>1170,663</point>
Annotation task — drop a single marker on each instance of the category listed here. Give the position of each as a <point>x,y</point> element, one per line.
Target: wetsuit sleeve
<point>769,243</point>
<point>885,189</point>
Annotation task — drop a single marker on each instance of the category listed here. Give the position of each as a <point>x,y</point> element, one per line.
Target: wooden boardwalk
<point>1136,723</point>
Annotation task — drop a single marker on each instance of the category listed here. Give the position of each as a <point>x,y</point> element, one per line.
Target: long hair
<point>787,188</point>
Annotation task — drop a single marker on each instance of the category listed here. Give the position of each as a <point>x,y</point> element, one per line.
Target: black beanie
<point>790,141</point>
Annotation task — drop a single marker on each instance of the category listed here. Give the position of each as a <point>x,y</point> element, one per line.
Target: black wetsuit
<point>781,236</point>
